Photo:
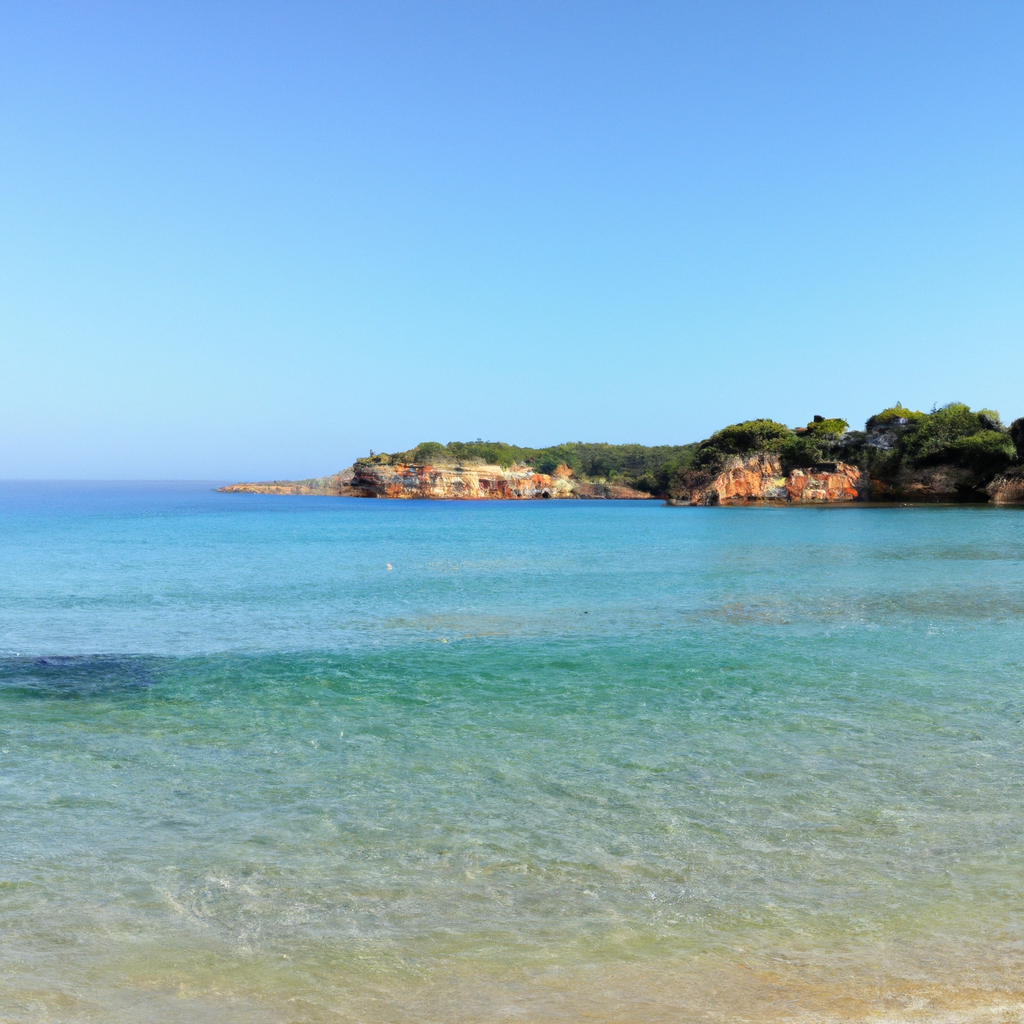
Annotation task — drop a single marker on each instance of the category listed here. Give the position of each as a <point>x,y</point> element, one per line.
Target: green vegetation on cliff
<point>1017,437</point>
<point>896,447</point>
<point>820,441</point>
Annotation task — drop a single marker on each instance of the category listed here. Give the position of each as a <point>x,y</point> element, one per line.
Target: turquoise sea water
<point>563,761</point>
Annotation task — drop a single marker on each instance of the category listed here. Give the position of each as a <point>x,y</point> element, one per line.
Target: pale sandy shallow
<point>623,994</point>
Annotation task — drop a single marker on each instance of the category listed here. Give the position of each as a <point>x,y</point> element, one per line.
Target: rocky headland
<point>951,454</point>
<point>336,485</point>
<point>473,482</point>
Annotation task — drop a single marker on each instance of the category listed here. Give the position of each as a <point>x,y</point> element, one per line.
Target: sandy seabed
<point>617,994</point>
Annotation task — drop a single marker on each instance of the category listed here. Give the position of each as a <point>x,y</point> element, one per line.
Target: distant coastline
<point>951,454</point>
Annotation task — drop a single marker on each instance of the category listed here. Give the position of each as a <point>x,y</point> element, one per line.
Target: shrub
<point>827,428</point>
<point>893,415</point>
<point>987,451</point>
<point>942,435</point>
<point>428,451</point>
<point>801,450</point>
<point>742,439</point>
<point>496,453</point>
<point>952,434</point>
<point>1017,436</point>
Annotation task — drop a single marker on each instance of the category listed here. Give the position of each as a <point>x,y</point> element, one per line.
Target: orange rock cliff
<point>759,478</point>
<point>370,479</point>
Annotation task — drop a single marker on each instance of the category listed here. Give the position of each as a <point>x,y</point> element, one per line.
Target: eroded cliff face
<point>480,482</point>
<point>1007,488</point>
<point>742,480</point>
<point>472,483</point>
<point>931,484</point>
<point>401,480</point>
<point>760,478</point>
<point>839,482</point>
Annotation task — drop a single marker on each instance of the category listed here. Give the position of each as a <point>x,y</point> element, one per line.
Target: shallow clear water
<point>564,761</point>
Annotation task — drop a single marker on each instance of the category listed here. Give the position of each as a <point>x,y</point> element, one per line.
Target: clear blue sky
<point>245,240</point>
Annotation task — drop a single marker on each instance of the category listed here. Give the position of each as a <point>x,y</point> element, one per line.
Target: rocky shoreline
<point>949,455</point>
<point>756,479</point>
<point>761,479</point>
